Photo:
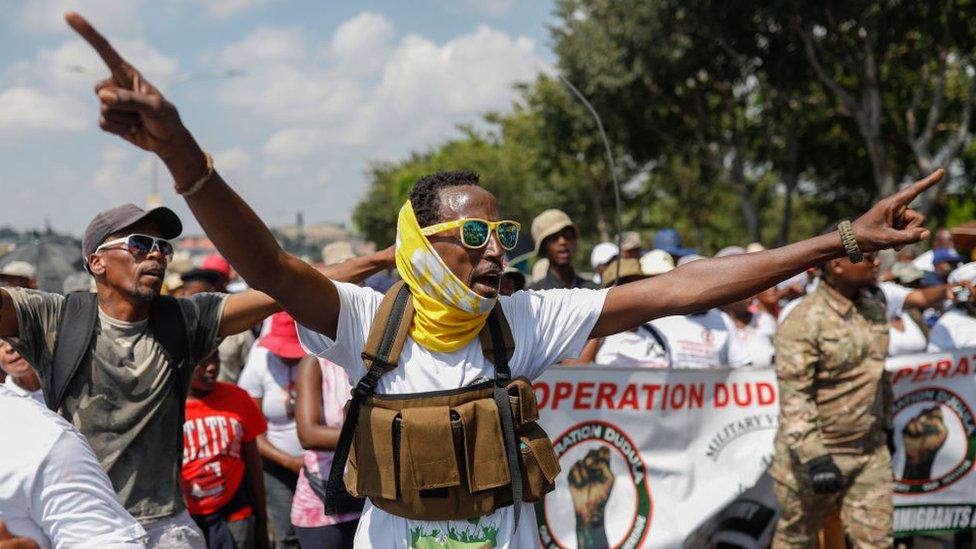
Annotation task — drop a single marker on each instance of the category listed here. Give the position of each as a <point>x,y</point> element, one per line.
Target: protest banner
<point>658,457</point>
<point>676,458</point>
<point>935,441</point>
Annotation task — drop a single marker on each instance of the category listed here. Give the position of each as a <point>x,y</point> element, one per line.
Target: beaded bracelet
<point>196,186</point>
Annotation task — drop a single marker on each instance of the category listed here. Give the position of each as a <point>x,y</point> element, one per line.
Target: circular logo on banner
<point>935,434</point>
<point>602,498</point>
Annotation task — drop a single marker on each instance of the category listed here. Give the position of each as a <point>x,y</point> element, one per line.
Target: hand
<point>891,223</point>
<point>9,541</point>
<point>590,483</point>
<point>824,475</point>
<point>135,110</point>
<point>295,463</point>
<point>923,435</point>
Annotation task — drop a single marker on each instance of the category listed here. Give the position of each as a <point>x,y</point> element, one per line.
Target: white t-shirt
<point>765,324</point>
<point>267,377</point>
<point>911,340</point>
<point>548,326</point>
<point>37,395</point>
<point>700,341</point>
<point>633,349</point>
<point>955,329</point>
<point>52,488</point>
<point>924,261</point>
<point>751,347</point>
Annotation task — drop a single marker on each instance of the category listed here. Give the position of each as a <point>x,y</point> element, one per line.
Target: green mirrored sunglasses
<point>476,232</point>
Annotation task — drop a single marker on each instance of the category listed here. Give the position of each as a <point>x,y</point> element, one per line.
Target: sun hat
<point>547,224</point>
<point>669,240</point>
<point>603,253</point>
<point>21,269</point>
<point>216,262</point>
<point>282,338</point>
<point>656,262</point>
<point>629,268</point>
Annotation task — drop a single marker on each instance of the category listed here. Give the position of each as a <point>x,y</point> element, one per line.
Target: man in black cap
<point>126,396</point>
<point>127,393</point>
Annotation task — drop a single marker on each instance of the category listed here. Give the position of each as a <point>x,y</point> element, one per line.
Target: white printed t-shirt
<point>548,326</point>
<point>701,340</point>
<point>633,349</point>
<point>52,488</point>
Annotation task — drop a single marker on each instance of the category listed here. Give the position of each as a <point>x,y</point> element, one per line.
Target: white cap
<point>22,269</point>
<point>754,247</point>
<point>602,253</point>
<point>656,262</point>
<point>689,258</point>
<point>730,250</point>
<point>963,273</point>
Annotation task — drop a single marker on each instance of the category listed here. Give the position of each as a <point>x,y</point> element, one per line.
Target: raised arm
<point>708,283</point>
<point>136,111</point>
<point>245,309</point>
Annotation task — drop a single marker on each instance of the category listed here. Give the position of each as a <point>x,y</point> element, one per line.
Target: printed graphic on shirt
<point>475,535</point>
<point>206,438</point>
<point>606,482</point>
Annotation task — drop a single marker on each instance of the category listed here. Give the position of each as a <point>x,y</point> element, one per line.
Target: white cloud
<point>75,64</point>
<point>492,7</point>
<point>292,144</point>
<point>53,91</point>
<point>223,9</point>
<point>124,171</point>
<point>413,91</point>
<point>362,43</point>
<point>265,47</point>
<point>24,109</point>
<point>232,162</point>
<point>108,16</point>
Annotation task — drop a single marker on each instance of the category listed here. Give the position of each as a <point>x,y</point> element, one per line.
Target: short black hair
<point>425,195</point>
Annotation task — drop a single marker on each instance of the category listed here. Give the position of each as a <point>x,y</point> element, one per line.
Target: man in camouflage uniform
<point>834,411</point>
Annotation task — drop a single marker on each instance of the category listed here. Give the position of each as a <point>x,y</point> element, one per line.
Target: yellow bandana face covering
<point>447,313</point>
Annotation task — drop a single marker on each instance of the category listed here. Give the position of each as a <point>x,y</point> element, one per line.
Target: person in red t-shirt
<point>222,479</point>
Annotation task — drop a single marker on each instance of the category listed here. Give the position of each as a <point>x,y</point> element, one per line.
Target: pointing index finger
<point>97,41</point>
<point>910,192</point>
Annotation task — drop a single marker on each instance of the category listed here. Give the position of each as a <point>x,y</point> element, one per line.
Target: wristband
<point>199,183</point>
<point>850,243</point>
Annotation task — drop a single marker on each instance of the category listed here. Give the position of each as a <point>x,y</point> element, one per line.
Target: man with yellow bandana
<point>453,275</point>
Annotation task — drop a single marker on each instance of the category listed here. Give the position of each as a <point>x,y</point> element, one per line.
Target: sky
<point>293,99</point>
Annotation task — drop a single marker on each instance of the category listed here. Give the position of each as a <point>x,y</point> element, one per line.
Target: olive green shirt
<point>126,399</point>
<point>830,356</point>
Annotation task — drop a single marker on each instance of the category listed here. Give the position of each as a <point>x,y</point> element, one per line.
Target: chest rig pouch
<point>441,455</point>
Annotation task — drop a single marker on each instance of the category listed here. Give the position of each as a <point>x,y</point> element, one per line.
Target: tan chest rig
<point>441,455</point>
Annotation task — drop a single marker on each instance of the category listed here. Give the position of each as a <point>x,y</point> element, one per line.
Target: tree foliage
<point>731,122</point>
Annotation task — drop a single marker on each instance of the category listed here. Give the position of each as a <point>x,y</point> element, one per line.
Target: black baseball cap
<point>118,218</point>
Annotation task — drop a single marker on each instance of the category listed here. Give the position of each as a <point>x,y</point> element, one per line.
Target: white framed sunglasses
<point>140,245</point>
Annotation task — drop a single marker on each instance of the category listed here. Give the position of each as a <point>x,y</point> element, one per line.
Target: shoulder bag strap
<point>500,347</point>
<point>389,330</point>
<point>76,328</point>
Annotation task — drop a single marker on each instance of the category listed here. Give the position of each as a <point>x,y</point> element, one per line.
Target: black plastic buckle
<point>366,386</point>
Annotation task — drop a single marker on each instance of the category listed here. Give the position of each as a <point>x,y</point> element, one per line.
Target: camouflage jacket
<point>834,394</point>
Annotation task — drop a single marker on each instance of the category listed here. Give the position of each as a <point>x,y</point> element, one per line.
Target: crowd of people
<point>206,405</point>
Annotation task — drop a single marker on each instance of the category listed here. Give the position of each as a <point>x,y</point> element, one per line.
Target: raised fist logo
<point>590,483</point>
<point>924,435</point>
